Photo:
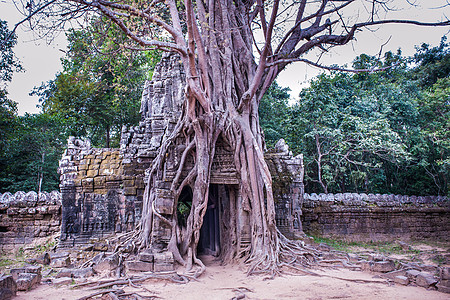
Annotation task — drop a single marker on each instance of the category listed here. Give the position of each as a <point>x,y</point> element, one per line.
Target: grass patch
<point>379,247</point>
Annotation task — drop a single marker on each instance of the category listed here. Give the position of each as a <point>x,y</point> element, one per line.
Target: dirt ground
<point>226,282</point>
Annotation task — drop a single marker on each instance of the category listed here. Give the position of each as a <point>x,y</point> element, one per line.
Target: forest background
<point>371,132</point>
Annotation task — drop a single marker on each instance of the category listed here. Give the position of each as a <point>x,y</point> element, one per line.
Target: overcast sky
<point>42,61</point>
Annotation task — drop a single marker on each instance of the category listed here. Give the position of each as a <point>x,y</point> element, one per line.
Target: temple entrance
<point>209,242</point>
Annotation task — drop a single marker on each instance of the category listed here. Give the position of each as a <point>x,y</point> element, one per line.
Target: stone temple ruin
<point>102,189</point>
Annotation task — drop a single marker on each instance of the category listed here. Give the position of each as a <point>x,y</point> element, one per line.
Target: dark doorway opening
<point>209,242</point>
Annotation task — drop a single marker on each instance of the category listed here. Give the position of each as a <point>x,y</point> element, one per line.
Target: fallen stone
<point>428,268</point>
<point>445,273</point>
<point>60,262</point>
<point>108,264</point>
<point>366,265</point>
<point>8,287</point>
<point>30,260</point>
<point>75,273</point>
<point>43,259</point>
<point>391,275</point>
<point>25,269</point>
<point>88,248</point>
<point>56,255</point>
<point>353,257</point>
<point>98,258</point>
<point>324,247</point>
<point>412,274</point>
<point>140,266</point>
<point>404,245</point>
<point>103,247</point>
<point>376,257</point>
<point>26,281</point>
<point>425,279</point>
<point>146,256</point>
<point>62,281</point>
<point>444,286</point>
<point>401,280</point>
<point>383,266</point>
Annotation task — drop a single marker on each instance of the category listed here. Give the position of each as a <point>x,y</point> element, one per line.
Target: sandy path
<point>219,281</point>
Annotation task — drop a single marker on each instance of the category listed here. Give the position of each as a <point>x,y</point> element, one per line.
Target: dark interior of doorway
<point>209,243</point>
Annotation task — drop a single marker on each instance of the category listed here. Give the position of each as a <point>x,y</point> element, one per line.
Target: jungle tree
<point>231,50</point>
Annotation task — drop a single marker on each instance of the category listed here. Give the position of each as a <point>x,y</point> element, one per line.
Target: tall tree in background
<point>100,87</point>
<point>231,54</point>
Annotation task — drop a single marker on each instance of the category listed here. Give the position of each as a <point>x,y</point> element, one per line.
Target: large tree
<point>231,50</point>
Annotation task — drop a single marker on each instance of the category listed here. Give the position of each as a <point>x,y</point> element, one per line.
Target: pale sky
<point>42,61</point>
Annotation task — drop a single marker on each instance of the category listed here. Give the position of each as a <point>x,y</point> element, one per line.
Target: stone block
<point>412,274</point>
<point>99,246</point>
<point>75,273</point>
<point>425,279</point>
<point>393,274</point>
<point>445,273</point>
<point>403,280</point>
<point>62,281</point>
<point>92,173</point>
<point>163,261</point>
<point>44,259</point>
<point>383,266</point>
<point>140,266</point>
<point>107,264</point>
<point>129,191</point>
<point>146,256</point>
<point>26,281</point>
<point>8,287</point>
<point>26,269</point>
<point>60,262</point>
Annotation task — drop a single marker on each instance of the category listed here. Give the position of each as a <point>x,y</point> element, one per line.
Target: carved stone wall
<point>362,217</point>
<point>27,216</point>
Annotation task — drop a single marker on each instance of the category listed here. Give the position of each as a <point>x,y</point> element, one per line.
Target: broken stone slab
<point>56,255</point>
<point>412,274</point>
<point>403,280</point>
<point>353,257</point>
<point>8,287</point>
<point>25,269</point>
<point>391,275</point>
<point>444,286</point>
<point>376,257</point>
<point>425,279</point>
<point>146,256</point>
<point>383,266</point>
<point>102,247</point>
<point>60,262</point>
<point>44,259</point>
<point>445,273</point>
<point>27,281</point>
<point>75,273</point>
<point>62,281</point>
<point>107,264</point>
<point>139,266</point>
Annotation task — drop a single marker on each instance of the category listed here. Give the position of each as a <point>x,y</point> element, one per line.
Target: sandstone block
<point>412,274</point>
<point>26,269</point>
<point>100,247</point>
<point>140,266</point>
<point>62,281</point>
<point>425,279</point>
<point>383,266</point>
<point>403,280</point>
<point>61,262</point>
<point>75,273</point>
<point>147,257</point>
<point>107,264</point>
<point>8,287</point>
<point>445,273</point>
<point>26,281</point>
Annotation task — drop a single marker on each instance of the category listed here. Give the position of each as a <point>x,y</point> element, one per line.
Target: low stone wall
<point>361,217</point>
<point>26,216</point>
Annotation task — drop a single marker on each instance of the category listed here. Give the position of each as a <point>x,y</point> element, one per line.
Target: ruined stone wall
<point>100,192</point>
<point>27,216</point>
<point>361,217</point>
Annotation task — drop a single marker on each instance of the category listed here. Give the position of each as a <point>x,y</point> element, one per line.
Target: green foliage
<point>32,154</point>
<point>379,132</point>
<point>273,111</point>
<point>100,87</point>
<point>8,62</point>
